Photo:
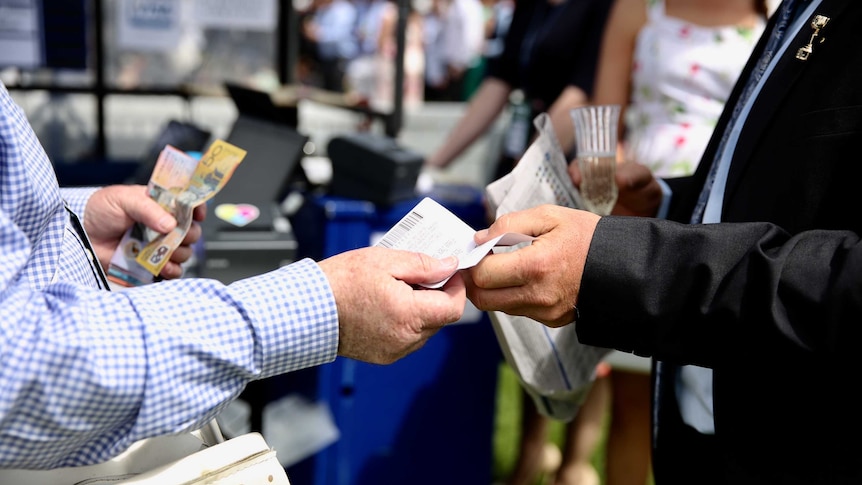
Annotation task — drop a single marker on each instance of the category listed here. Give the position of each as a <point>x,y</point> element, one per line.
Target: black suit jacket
<point>773,301</point>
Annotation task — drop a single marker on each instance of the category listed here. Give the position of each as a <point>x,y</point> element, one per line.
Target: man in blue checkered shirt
<point>87,372</point>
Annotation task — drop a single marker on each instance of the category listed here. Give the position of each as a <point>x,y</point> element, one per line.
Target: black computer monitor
<point>259,104</point>
<point>274,152</point>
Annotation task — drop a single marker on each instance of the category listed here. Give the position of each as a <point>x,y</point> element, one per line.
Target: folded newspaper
<point>179,183</point>
<point>552,365</point>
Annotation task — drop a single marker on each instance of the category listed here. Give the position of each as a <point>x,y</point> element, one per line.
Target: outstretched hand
<point>112,210</point>
<point>542,280</point>
<point>381,316</point>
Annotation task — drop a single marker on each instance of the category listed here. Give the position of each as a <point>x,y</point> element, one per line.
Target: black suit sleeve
<point>703,293</point>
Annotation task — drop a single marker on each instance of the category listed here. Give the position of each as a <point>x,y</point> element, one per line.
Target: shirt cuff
<point>295,314</point>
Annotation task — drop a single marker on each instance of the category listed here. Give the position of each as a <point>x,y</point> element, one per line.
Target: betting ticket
<point>434,230</point>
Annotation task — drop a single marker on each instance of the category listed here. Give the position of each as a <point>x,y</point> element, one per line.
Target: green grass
<point>507,429</point>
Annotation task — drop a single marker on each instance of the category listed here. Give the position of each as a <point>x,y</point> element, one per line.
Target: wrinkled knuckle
<point>531,272</point>
<point>424,262</point>
<point>455,315</point>
<point>504,221</point>
<point>546,210</point>
<point>478,301</point>
<point>544,300</point>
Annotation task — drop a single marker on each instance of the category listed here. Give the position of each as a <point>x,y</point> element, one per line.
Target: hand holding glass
<point>596,141</point>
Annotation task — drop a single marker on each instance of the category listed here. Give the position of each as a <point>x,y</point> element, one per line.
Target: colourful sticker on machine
<point>237,214</point>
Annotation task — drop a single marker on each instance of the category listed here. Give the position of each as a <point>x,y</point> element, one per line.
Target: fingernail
<point>450,261</point>
<point>481,234</point>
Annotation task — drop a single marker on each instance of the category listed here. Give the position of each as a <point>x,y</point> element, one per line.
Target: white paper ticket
<point>432,229</point>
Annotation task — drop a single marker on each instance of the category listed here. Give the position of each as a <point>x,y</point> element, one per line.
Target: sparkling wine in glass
<point>598,185</point>
<point>596,140</point>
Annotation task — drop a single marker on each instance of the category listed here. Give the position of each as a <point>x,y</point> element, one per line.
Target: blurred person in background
<point>329,31</point>
<point>371,77</point>
<point>550,55</point>
<point>361,71</point>
<point>496,27</point>
<point>369,15</point>
<point>414,58</point>
<point>497,16</point>
<point>436,71</point>
<point>462,36</point>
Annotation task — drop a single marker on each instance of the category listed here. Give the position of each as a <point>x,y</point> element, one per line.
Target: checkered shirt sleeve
<point>86,372</point>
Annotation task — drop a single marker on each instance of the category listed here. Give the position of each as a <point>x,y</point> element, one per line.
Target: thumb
<point>417,268</point>
<point>148,212</point>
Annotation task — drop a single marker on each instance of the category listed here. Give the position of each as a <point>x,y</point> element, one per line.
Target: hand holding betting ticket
<point>557,381</point>
<point>432,229</point>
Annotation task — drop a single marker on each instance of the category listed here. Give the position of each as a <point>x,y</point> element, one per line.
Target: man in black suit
<point>770,299</point>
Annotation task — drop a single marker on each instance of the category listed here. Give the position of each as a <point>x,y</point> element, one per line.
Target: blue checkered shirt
<point>86,372</point>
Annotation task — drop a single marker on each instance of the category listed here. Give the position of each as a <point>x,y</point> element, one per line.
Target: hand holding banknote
<point>112,210</point>
<point>179,184</point>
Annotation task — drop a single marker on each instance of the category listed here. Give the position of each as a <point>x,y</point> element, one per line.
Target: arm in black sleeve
<point>700,293</point>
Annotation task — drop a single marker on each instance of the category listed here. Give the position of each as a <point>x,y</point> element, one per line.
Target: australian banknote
<point>179,183</point>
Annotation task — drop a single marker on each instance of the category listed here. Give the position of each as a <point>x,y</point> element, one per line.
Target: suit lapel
<point>777,87</point>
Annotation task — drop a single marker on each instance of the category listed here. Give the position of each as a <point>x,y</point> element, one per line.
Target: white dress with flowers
<point>682,74</point>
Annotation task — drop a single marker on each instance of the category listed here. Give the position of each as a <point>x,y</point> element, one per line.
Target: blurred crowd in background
<point>344,46</point>
<point>350,46</point>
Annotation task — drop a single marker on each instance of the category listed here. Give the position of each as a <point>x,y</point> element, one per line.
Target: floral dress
<point>682,74</point>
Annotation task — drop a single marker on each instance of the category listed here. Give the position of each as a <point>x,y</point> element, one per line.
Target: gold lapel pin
<point>817,23</point>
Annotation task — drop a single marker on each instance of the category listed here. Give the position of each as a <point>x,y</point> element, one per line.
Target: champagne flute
<point>596,141</point>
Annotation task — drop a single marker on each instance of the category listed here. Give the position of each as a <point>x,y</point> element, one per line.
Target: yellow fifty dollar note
<point>214,170</point>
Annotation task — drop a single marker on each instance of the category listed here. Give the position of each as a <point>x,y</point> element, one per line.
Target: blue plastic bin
<point>426,419</point>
